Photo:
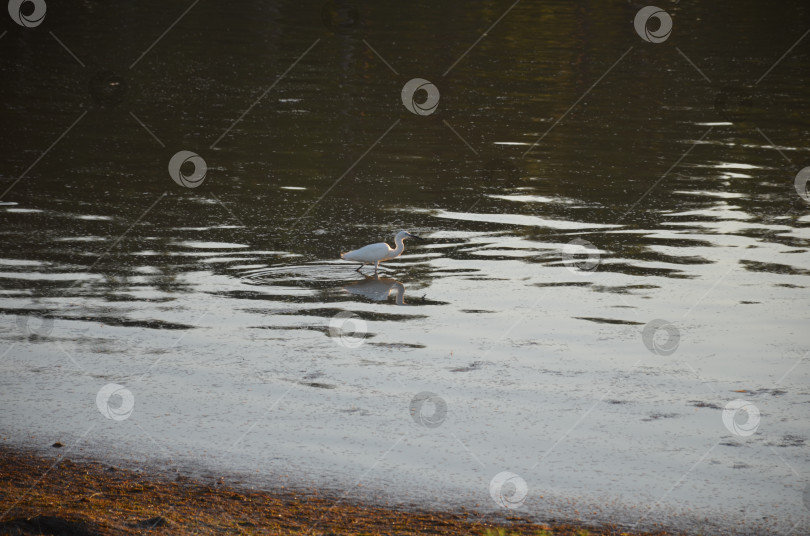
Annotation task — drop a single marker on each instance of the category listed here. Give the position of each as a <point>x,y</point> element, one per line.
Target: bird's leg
<point>376,267</point>
<point>360,267</point>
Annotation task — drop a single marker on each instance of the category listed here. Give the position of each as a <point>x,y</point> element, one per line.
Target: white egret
<point>379,252</point>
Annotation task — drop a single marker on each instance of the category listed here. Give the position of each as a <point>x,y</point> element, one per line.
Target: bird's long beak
<point>416,237</point>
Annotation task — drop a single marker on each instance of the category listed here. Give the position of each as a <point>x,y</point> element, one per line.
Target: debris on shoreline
<point>62,497</point>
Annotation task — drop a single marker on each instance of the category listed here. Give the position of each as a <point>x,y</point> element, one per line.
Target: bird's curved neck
<point>400,242</point>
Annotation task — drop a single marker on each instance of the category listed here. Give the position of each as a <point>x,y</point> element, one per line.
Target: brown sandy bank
<point>62,497</point>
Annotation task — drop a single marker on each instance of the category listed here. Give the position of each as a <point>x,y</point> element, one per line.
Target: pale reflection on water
<point>378,288</point>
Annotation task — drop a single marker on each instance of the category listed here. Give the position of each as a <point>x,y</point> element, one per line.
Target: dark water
<point>672,165</point>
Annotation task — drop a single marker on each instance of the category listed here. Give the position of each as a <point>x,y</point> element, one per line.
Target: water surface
<point>574,184</point>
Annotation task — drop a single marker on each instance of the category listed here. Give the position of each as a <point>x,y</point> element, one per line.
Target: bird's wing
<point>369,253</point>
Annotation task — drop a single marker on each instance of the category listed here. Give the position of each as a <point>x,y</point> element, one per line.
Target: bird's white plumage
<point>379,252</point>
<point>370,253</point>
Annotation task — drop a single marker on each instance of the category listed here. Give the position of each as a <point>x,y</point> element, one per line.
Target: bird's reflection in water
<point>378,288</point>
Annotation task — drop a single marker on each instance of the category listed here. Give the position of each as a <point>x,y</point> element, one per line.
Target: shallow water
<point>574,185</point>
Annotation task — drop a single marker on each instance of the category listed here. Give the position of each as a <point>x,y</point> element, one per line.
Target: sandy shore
<point>61,497</point>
